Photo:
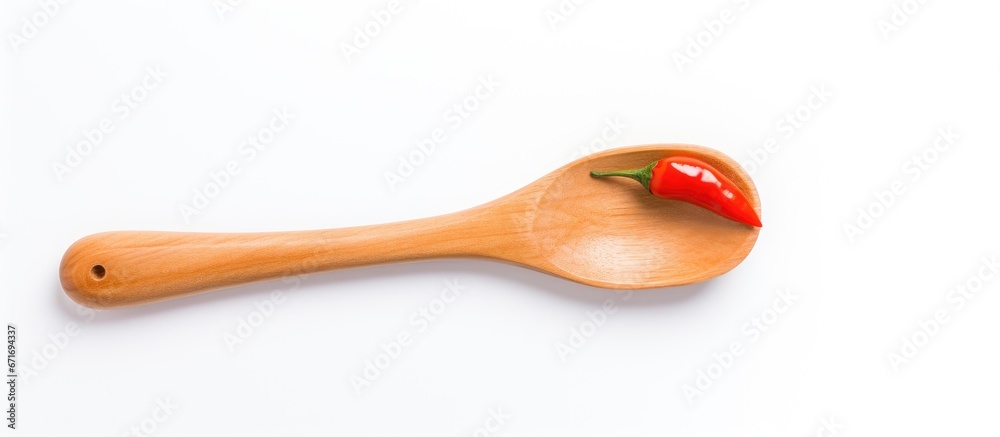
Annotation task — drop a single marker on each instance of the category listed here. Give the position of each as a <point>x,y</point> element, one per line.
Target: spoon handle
<point>126,268</point>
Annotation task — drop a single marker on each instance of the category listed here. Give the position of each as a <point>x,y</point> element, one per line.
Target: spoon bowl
<point>612,233</point>
<point>608,233</point>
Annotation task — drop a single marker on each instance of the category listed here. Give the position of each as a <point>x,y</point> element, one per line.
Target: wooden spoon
<point>607,233</point>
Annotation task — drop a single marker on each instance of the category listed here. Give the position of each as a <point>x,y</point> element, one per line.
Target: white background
<point>823,365</point>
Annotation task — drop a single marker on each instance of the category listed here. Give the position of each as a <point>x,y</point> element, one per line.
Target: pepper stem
<point>643,175</point>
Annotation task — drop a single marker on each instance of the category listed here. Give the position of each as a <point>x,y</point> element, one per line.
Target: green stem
<point>643,175</point>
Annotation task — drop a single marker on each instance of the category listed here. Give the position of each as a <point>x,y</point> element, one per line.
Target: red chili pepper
<point>694,181</point>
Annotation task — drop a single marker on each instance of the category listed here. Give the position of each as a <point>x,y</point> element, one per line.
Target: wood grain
<point>608,233</point>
